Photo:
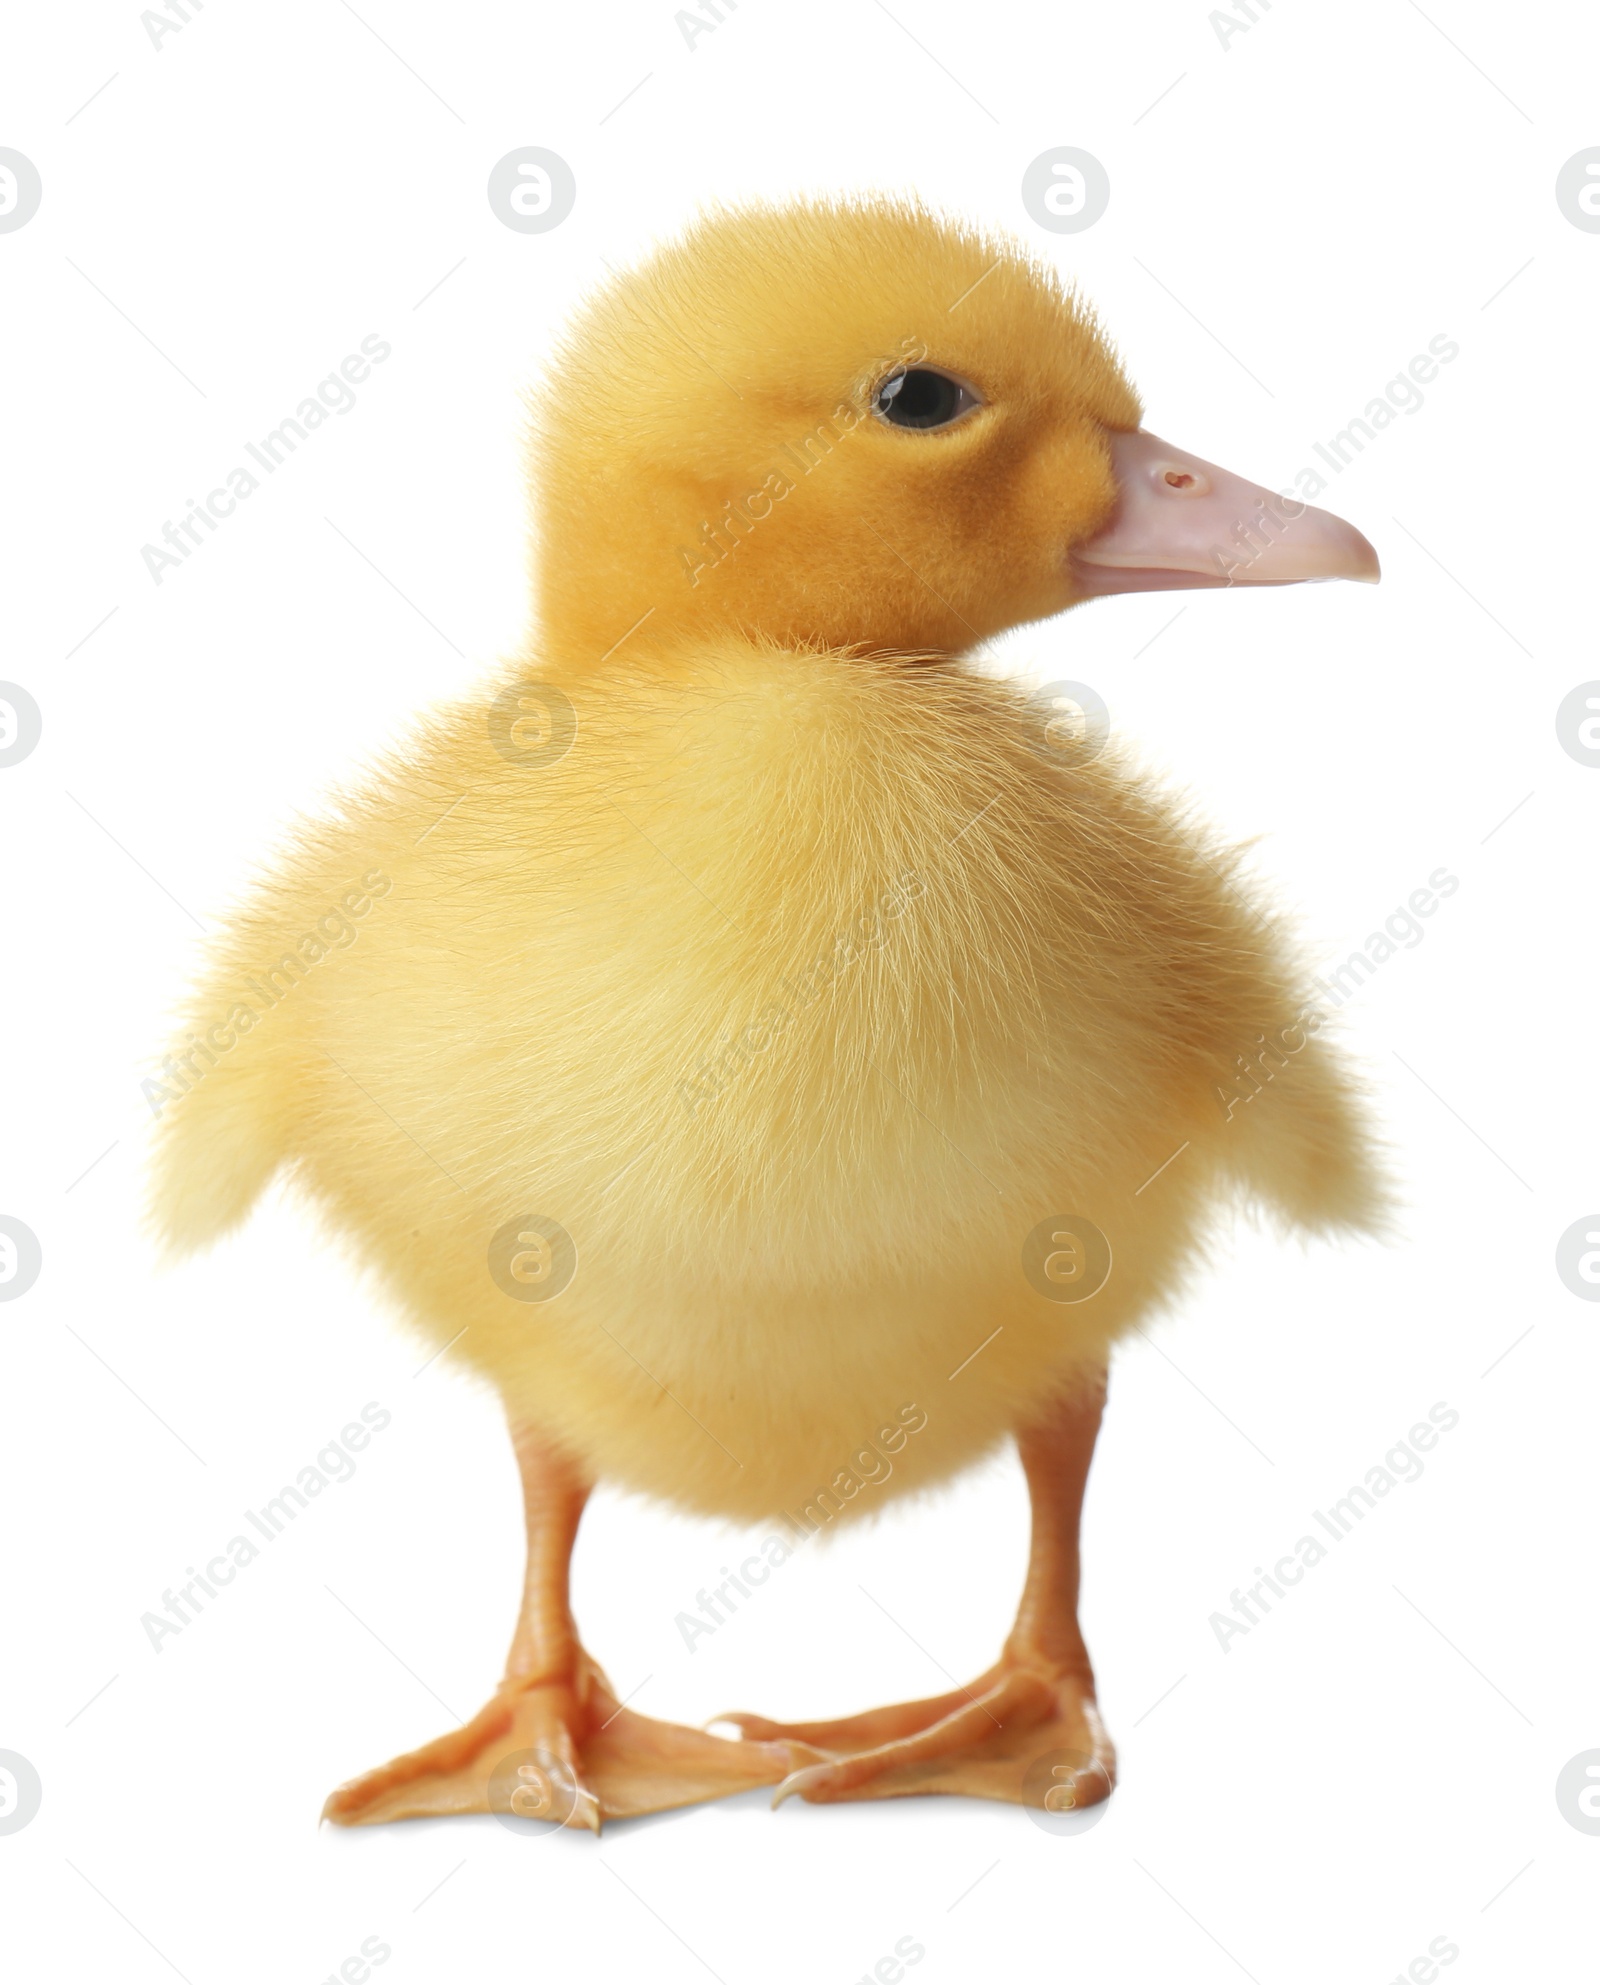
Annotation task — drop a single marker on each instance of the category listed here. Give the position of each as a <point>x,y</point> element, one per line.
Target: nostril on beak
<point>1181,479</point>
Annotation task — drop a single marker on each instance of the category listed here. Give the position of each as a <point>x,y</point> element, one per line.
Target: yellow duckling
<point>752,1034</point>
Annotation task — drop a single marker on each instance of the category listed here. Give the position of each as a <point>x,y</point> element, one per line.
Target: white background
<point>1372,1767</point>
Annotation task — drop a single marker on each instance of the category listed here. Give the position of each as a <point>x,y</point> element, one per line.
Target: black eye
<point>921,397</point>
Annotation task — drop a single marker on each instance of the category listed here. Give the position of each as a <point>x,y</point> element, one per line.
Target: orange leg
<point>553,1743</point>
<point>1028,1729</point>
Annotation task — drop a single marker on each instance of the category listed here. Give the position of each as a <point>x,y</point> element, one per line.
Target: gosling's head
<point>858,424</point>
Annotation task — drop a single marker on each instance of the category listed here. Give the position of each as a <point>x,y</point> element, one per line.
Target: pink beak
<point>1183,522</point>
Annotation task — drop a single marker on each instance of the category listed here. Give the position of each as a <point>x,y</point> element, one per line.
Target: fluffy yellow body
<point>799,990</point>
